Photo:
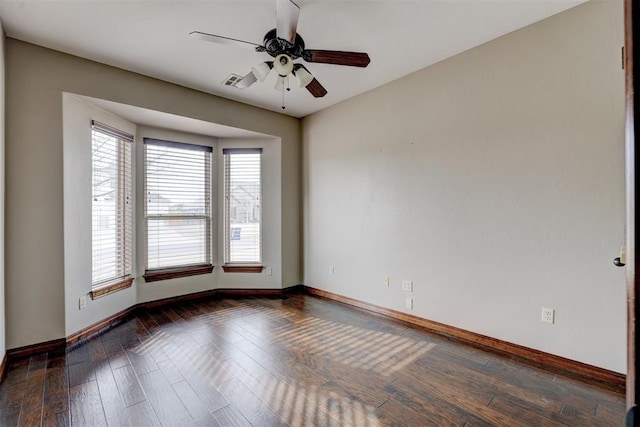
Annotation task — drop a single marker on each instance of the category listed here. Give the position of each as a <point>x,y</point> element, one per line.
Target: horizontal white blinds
<point>177,204</point>
<point>243,205</point>
<point>111,204</point>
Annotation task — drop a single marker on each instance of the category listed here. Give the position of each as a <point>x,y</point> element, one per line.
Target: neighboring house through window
<point>243,209</point>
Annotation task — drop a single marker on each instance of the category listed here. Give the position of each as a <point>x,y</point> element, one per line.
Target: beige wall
<point>36,80</point>
<point>494,180</point>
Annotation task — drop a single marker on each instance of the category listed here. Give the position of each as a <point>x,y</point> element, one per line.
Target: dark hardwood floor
<point>299,361</point>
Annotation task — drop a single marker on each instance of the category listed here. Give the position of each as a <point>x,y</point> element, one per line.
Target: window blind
<point>177,204</point>
<point>243,205</point>
<point>111,212</point>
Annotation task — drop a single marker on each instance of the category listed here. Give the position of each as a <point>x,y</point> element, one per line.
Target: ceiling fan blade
<point>352,59</point>
<point>222,40</point>
<point>287,13</point>
<point>246,81</point>
<point>316,89</point>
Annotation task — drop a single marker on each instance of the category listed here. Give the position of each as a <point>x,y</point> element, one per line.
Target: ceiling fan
<point>285,45</point>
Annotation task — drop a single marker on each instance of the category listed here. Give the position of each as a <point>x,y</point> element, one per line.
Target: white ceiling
<point>151,37</point>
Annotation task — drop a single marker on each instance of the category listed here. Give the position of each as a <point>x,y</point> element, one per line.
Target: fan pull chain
<point>285,84</point>
<point>283,107</point>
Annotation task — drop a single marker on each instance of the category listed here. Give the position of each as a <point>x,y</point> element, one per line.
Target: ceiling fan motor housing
<point>275,46</point>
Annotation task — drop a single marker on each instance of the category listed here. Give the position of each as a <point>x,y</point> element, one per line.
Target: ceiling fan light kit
<point>285,45</point>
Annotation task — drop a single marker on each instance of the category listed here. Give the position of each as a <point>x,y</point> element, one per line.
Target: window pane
<point>177,181</point>
<point>111,207</point>
<point>177,204</point>
<point>176,242</point>
<point>243,207</point>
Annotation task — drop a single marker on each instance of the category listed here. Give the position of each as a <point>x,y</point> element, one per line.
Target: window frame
<point>180,270</point>
<point>124,217</point>
<point>240,266</point>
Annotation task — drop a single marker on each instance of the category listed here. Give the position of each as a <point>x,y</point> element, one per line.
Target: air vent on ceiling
<point>232,80</point>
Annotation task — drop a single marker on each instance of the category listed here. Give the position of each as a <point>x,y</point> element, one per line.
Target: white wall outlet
<point>408,303</point>
<point>82,303</point>
<point>332,270</point>
<point>548,315</point>
<point>269,271</point>
<point>385,281</point>
<point>407,285</point>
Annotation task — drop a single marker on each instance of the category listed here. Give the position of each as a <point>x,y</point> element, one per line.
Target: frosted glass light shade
<point>282,83</point>
<point>261,71</point>
<point>304,77</point>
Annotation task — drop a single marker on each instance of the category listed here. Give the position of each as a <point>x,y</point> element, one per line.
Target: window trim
<point>124,148</point>
<point>173,272</point>
<point>159,274</point>
<point>242,268</point>
<point>111,288</point>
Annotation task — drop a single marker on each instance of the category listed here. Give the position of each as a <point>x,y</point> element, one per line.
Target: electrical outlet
<point>269,271</point>
<point>407,285</point>
<point>331,270</point>
<point>386,281</point>
<point>82,303</point>
<point>408,303</point>
<point>548,315</point>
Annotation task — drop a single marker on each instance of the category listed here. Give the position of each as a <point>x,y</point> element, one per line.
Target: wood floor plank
<point>296,404</point>
<point>527,416</point>
<point>112,402</point>
<point>114,351</point>
<point>56,395</point>
<point>170,371</point>
<point>78,354</point>
<point>97,351</point>
<point>17,371</point>
<point>31,412</point>
<point>282,364</point>
<point>204,388</point>
<point>248,404</point>
<point>450,400</point>
<point>58,419</point>
<point>392,411</point>
<point>80,373</point>
<point>608,417</point>
<point>12,393</point>
<point>141,415</point>
<point>37,363</point>
<point>229,416</point>
<point>128,386</point>
<point>192,402</point>
<point>10,414</point>
<point>86,405</point>
<point>150,325</point>
<point>141,361</point>
<point>164,400</point>
<point>585,393</point>
<point>478,386</point>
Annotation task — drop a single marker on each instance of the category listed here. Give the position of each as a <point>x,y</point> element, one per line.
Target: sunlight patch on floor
<point>361,348</point>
